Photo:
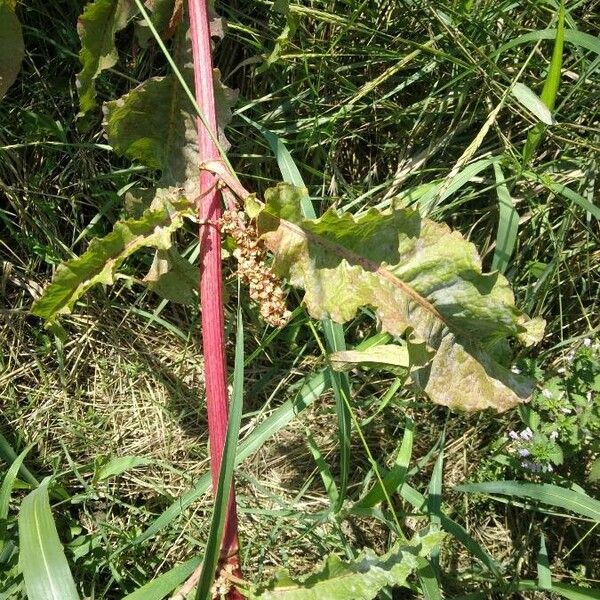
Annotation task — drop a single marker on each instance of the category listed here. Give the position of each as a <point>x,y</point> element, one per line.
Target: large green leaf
<point>97,27</point>
<point>41,557</point>
<point>11,46</point>
<point>361,579</point>
<point>422,280</point>
<point>104,256</point>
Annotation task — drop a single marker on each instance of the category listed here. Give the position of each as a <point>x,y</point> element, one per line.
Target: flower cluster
<point>536,451</point>
<point>264,286</point>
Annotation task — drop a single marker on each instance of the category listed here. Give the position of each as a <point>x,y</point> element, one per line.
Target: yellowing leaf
<point>97,27</point>
<point>421,279</point>
<point>99,263</point>
<point>11,46</point>
<point>155,123</point>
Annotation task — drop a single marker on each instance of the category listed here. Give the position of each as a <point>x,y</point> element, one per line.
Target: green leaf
<point>393,480</point>
<point>104,256</point>
<point>172,277</point>
<point>543,566</point>
<point>361,579</point>
<point>12,47</point>
<point>118,465</point>
<point>164,584</point>
<point>41,556</point>
<point>508,223</point>
<point>573,592</point>
<point>551,85</point>
<point>577,38</point>
<point>545,493</point>
<point>419,502</point>
<point>388,355</point>
<point>139,126</point>
<point>97,27</point>
<point>565,590</point>
<point>533,103</point>
<point>421,279</point>
<point>6,491</point>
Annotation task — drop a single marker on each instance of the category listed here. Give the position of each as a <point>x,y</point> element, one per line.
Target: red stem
<point>211,283</point>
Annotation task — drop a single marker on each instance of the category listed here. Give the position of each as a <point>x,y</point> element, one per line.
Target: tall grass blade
<point>564,590</point>
<point>429,582</point>
<point>577,38</point>
<point>8,454</point>
<point>533,103</point>
<point>41,556</point>
<point>164,584</point>
<point>546,493</point>
<point>223,492</point>
<point>550,90</point>
<point>508,223</point>
<point>543,566</point>
<point>324,470</point>
<point>418,501</point>
<point>394,480</point>
<point>434,502</point>
<point>6,491</point>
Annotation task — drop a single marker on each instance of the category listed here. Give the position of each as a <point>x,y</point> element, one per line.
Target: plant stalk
<point>211,283</point>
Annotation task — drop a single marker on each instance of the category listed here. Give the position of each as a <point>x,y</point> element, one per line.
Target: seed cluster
<point>264,286</point>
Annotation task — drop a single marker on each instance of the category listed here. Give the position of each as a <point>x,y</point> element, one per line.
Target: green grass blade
<point>6,491</point>
<point>532,102</point>
<point>118,465</point>
<point>434,502</point>
<point>543,566</point>
<point>41,556</point>
<point>217,526</point>
<point>428,581</point>
<point>429,200</point>
<point>565,590</point>
<point>508,223</point>
<point>340,383</point>
<point>577,38</point>
<point>287,166</point>
<point>164,584</point>
<point>562,190</point>
<point>574,592</point>
<point>550,90</point>
<point>545,493</point>
<point>324,470</point>
<point>396,477</point>
<point>8,454</point>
